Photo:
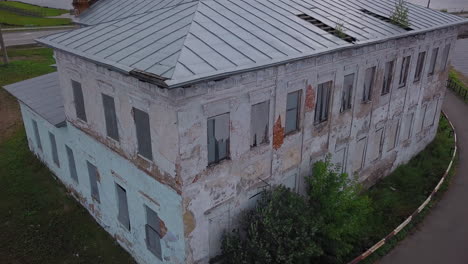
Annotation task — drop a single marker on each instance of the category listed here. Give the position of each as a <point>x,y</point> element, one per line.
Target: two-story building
<point>165,119</point>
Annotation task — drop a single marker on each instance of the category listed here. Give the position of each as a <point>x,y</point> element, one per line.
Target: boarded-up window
<point>110,116</point>
<point>392,135</point>
<point>122,203</point>
<point>36,134</point>
<point>360,156</point>
<point>323,102</point>
<point>368,84</point>
<point>143,133</point>
<point>445,55</point>
<point>408,126</point>
<point>153,232</point>
<point>93,180</point>
<point>419,66</point>
<point>71,164</point>
<point>347,94</point>
<point>292,111</point>
<point>218,138</point>
<point>388,77</point>
<point>79,100</point>
<point>339,159</point>
<point>53,146</point>
<point>405,65</point>
<point>432,65</point>
<point>376,144</point>
<point>259,123</point>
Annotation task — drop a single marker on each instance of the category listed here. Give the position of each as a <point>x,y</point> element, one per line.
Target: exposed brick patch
<point>310,98</point>
<point>278,134</point>
<point>162,228</point>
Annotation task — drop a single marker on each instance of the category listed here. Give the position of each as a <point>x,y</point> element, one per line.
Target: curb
<point>408,220</point>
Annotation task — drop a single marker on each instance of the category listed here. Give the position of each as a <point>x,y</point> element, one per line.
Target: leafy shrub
<point>400,15</point>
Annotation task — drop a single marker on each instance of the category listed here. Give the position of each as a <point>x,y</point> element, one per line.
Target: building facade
<point>166,166</point>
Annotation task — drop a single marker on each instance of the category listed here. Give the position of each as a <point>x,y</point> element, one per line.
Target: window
<point>347,92</point>
<point>408,126</point>
<point>123,215</point>
<point>419,66</point>
<point>71,164</point>
<point>53,146</point>
<point>93,179</point>
<point>259,123</point>
<point>36,134</point>
<point>435,51</point>
<point>79,101</point>
<point>143,133</point>
<point>376,145</point>
<point>388,77</point>
<point>360,152</point>
<point>368,84</point>
<point>153,233</point>
<point>110,116</point>
<point>218,138</point>
<point>292,112</point>
<point>445,55</point>
<point>393,134</point>
<point>323,102</point>
<point>404,71</point>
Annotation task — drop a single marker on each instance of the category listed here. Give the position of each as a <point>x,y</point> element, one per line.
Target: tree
<point>400,15</point>
<point>281,229</point>
<point>341,210</point>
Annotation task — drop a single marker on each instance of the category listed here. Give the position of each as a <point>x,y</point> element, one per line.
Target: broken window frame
<point>214,145</point>
<point>445,56</point>
<point>259,117</point>
<point>153,231</point>
<point>122,206</point>
<point>347,93</point>
<point>78,100</point>
<point>93,174</point>
<point>110,116</point>
<point>388,77</point>
<point>322,107</point>
<point>404,71</point>
<point>143,133</point>
<point>433,61</point>
<point>53,146</point>
<point>419,66</point>
<point>293,109</point>
<point>369,80</point>
<point>36,134</point>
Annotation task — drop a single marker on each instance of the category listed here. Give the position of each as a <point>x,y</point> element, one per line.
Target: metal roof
<point>183,41</point>
<point>41,94</point>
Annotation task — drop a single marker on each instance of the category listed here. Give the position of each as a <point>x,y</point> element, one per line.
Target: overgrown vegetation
<point>400,15</point>
<point>341,221</point>
<point>340,30</point>
<point>16,14</point>
<point>458,83</point>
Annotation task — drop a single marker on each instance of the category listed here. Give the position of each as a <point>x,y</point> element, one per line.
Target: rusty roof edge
<point>174,83</point>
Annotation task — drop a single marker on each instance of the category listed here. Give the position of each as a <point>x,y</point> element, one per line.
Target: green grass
<point>459,84</point>
<point>42,11</point>
<point>26,63</point>
<point>39,222</point>
<point>12,19</point>
<point>398,195</point>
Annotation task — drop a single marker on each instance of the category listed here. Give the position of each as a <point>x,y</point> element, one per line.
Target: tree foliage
<point>286,227</point>
<point>400,15</point>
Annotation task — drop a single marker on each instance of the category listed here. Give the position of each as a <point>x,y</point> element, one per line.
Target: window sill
<point>401,86</point>
<point>144,159</point>
<point>346,110</point>
<point>261,145</point>
<point>321,124</point>
<point>214,164</point>
<point>366,102</point>
<point>292,133</point>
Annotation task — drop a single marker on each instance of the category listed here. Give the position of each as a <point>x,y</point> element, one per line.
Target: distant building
<point>166,118</point>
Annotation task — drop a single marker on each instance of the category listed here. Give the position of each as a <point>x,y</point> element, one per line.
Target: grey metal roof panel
<point>41,94</point>
<point>183,41</point>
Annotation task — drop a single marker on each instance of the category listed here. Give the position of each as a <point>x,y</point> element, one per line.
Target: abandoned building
<point>166,118</point>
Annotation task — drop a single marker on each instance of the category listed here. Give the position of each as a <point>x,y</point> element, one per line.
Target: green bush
<point>341,211</point>
<point>281,229</point>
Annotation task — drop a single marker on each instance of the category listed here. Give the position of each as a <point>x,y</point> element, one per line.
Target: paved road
<point>22,38</point>
<point>443,235</point>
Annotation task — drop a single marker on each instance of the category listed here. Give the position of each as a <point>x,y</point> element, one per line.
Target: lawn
<point>27,8</point>
<point>12,19</point>
<point>39,222</point>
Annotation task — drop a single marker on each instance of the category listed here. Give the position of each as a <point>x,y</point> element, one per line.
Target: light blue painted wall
<point>162,199</point>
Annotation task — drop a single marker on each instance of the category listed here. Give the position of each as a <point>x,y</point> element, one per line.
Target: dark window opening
<point>79,100</point>
<point>388,77</point>
<point>327,28</point>
<point>93,180</point>
<point>123,215</point>
<point>368,84</point>
<point>292,112</point>
<point>260,113</point>
<point>218,138</point>
<point>385,19</point>
<point>143,133</point>
<point>346,96</point>
<point>110,117</point>
<point>432,66</point>
<point>404,71</point>
<point>323,102</point>
<point>53,146</point>
<point>419,66</point>
<point>153,232</point>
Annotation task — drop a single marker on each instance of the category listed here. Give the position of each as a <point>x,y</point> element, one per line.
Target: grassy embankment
<point>16,14</point>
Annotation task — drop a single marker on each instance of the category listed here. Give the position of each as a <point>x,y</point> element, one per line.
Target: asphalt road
<point>27,37</point>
